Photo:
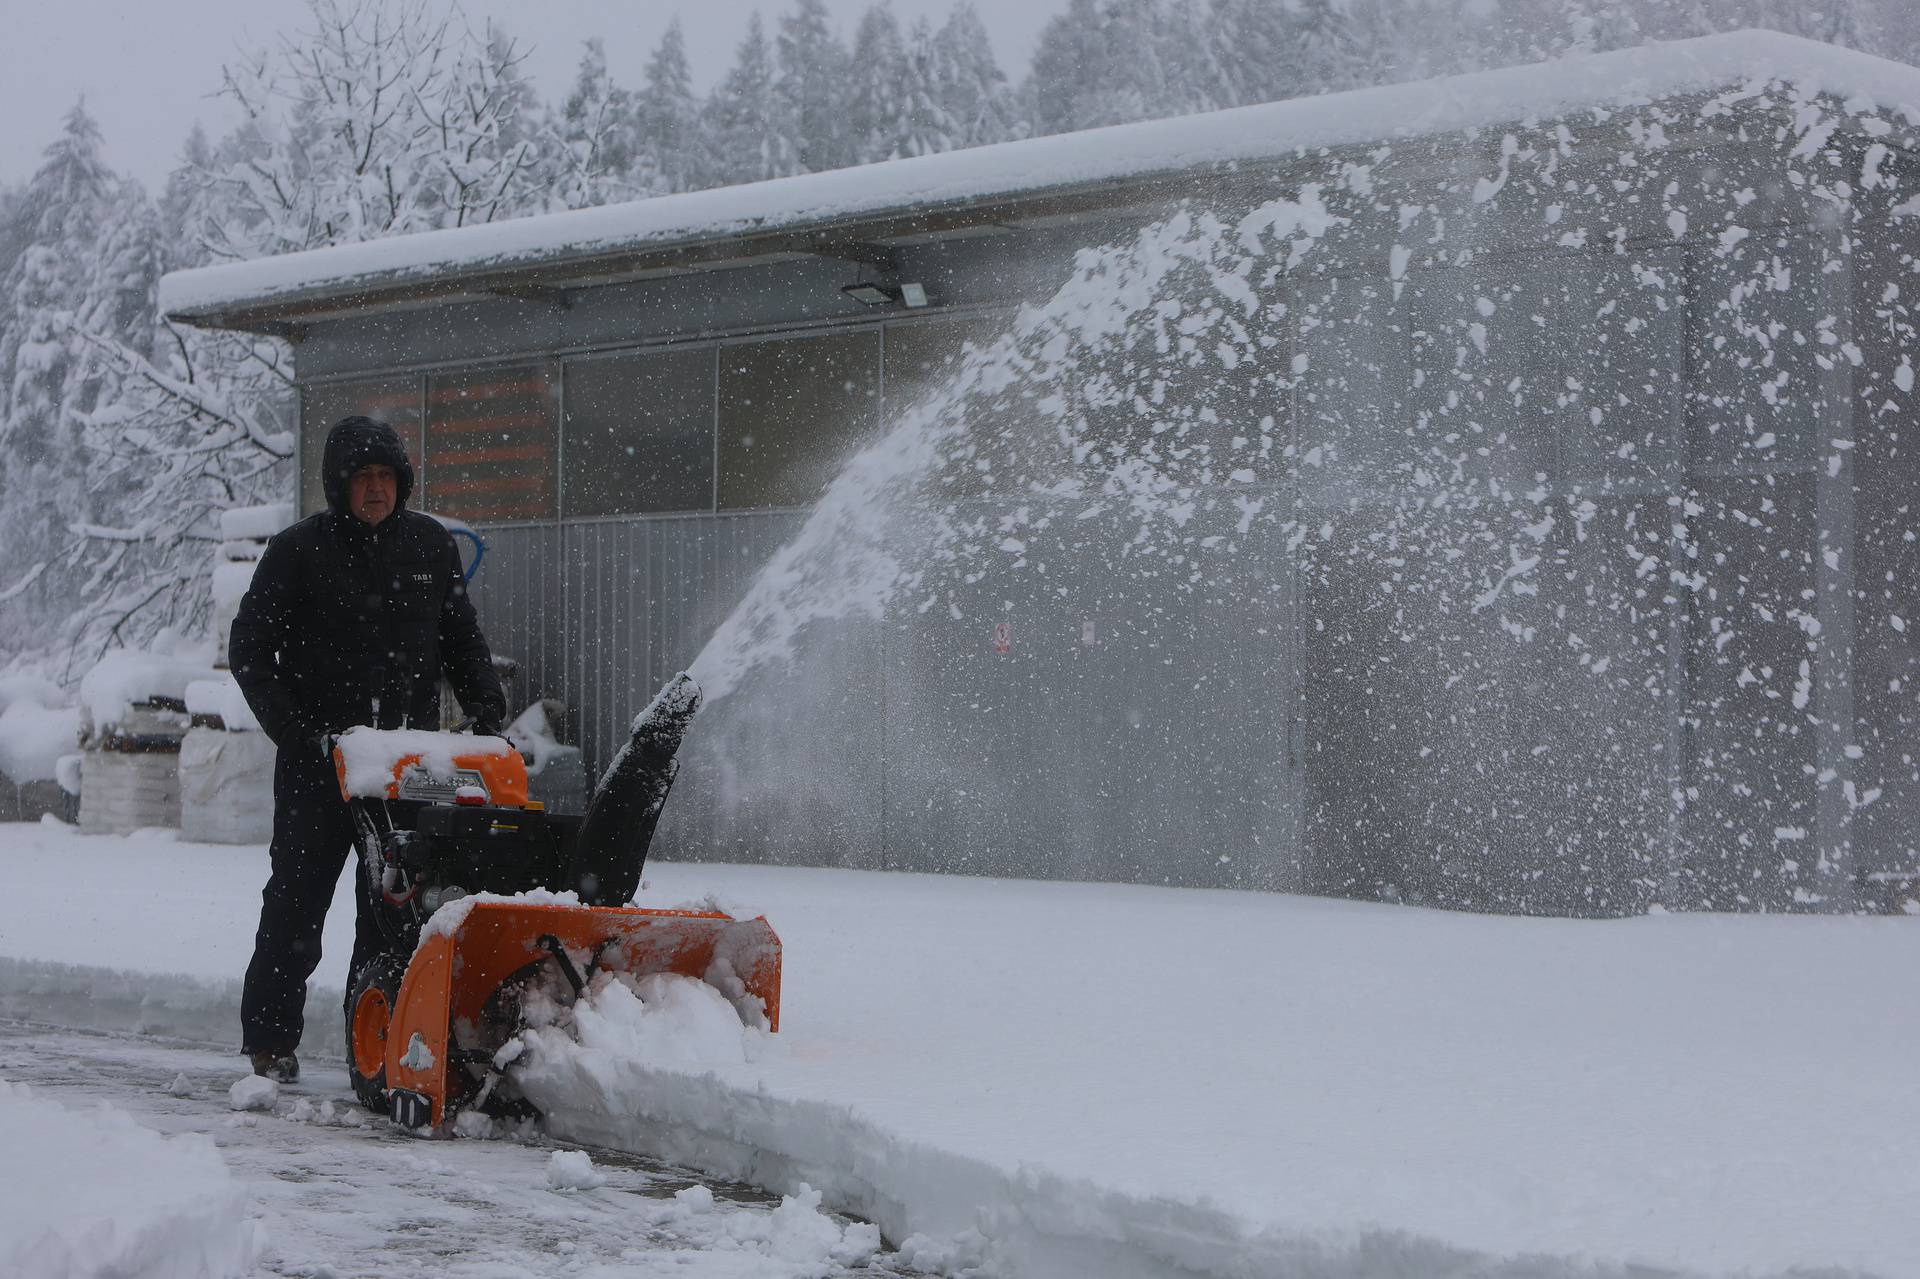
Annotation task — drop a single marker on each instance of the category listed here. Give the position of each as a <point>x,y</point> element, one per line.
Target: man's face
<point>370,493</point>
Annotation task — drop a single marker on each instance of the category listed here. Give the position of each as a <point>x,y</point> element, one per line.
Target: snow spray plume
<point>892,513</point>
<point>1399,550</point>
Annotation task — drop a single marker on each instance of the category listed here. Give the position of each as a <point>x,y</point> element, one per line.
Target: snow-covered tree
<point>667,115</point>
<point>1326,55</point>
<point>968,83</point>
<point>373,121</point>
<point>87,255</point>
<point>880,101</point>
<point>593,144</point>
<point>752,135</point>
<point>812,85</point>
<point>376,121</point>
<point>1112,61</point>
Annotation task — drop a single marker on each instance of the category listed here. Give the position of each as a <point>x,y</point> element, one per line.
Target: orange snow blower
<point>482,896</point>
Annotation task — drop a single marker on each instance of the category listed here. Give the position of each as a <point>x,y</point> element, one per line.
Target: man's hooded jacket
<point>343,615</point>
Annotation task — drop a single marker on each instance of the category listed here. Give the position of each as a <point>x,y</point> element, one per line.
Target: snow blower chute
<point>444,827</point>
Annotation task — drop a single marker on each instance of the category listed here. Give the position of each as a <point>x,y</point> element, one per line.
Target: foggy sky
<point>150,70</point>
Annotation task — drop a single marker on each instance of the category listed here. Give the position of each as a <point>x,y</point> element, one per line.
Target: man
<point>352,616</point>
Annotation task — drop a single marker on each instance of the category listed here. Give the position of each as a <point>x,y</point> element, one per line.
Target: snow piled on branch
<point>109,1197</point>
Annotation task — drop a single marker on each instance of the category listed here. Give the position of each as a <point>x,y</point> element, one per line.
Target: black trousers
<point>312,837</point>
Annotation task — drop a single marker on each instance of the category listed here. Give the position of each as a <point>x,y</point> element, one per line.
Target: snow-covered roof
<point>587,242</point>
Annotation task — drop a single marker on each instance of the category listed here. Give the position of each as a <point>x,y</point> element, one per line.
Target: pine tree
<point>179,199</point>
<point>1191,60</point>
<point>1252,40</point>
<point>926,127</point>
<point>968,83</point>
<point>1326,57</point>
<point>668,123</point>
<point>1113,61</point>
<point>62,215</point>
<point>88,263</point>
<point>880,102</point>
<point>812,86</point>
<point>752,135</point>
<point>593,146</point>
<point>1851,24</point>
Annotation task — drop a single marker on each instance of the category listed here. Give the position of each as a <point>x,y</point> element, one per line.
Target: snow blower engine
<point>482,895</point>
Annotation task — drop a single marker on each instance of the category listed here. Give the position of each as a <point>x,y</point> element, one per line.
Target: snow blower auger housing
<point>444,828</point>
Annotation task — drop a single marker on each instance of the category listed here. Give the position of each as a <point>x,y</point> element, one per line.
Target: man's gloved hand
<point>324,741</point>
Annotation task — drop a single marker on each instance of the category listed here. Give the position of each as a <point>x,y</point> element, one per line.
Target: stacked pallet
<point>131,777</point>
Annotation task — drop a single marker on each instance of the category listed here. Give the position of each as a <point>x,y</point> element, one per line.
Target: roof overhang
<point>869,215</point>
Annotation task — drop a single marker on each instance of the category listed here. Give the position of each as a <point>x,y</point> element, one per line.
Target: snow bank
<point>372,754</point>
<point>146,934</point>
<point>34,734</point>
<point>1479,100</point>
<point>1098,1079</point>
<point>29,688</point>
<point>92,1193</point>
<point>1054,1079</point>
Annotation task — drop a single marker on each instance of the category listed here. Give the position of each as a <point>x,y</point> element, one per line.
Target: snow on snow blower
<point>484,897</point>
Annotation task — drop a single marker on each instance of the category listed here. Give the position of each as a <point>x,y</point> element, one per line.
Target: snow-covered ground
<point>1062,1079</point>
<point>140,1170</point>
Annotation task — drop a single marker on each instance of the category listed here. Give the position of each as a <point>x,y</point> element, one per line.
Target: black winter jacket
<point>341,612</point>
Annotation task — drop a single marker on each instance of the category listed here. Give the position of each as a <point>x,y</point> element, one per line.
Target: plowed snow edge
<point>159,1005</point>
<point>963,1216</point>
<point>949,1213</point>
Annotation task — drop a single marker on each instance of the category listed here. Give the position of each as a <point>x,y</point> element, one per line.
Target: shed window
<point>395,401</point>
<point>923,357</point>
<point>639,434</point>
<point>792,411</point>
<point>490,443</point>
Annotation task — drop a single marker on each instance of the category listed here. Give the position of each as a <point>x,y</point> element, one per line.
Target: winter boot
<point>280,1069</point>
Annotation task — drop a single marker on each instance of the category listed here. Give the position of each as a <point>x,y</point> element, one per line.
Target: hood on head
<point>355,442</point>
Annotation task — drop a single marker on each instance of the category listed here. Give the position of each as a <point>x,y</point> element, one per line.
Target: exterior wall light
<point>912,293</point>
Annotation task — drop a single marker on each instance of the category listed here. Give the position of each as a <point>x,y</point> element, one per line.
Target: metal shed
<point>1632,329</point>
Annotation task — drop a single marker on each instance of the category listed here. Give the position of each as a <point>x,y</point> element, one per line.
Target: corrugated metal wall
<point>919,745</point>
